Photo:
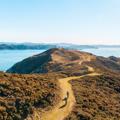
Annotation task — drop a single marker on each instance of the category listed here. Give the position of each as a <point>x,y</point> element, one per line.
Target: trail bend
<point>59,112</point>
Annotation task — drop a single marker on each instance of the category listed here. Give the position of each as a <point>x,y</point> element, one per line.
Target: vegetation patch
<point>21,94</point>
<point>97,98</point>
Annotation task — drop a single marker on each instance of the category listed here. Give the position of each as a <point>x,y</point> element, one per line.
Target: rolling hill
<point>65,61</point>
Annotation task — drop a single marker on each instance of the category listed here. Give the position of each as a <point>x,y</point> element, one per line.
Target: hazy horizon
<point>26,42</point>
<point>40,42</point>
<point>66,21</point>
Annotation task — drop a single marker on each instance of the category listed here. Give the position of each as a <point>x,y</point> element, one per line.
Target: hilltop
<point>70,62</point>
<point>54,60</point>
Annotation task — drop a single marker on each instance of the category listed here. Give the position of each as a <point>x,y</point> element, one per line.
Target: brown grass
<point>20,94</point>
<point>97,98</point>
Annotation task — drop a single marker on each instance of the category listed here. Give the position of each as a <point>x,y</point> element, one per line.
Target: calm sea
<point>10,57</point>
<point>106,52</point>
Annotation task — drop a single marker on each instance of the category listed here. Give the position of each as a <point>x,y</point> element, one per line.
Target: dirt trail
<point>61,111</point>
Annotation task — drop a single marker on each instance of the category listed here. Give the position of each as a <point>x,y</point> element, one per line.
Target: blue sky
<point>68,21</point>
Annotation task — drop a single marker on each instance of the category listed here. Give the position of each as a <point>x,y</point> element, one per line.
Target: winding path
<point>58,113</point>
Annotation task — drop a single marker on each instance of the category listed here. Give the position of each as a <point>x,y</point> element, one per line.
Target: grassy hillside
<point>97,98</point>
<point>21,94</point>
<point>70,62</point>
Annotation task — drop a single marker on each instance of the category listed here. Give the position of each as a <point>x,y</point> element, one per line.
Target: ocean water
<point>106,52</point>
<point>10,57</point>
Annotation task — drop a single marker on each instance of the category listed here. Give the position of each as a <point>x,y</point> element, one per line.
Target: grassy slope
<point>97,98</point>
<point>20,94</point>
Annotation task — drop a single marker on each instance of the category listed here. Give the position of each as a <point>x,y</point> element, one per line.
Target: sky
<point>60,21</point>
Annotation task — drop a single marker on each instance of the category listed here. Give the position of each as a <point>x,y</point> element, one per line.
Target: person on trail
<point>67,94</point>
<point>66,100</point>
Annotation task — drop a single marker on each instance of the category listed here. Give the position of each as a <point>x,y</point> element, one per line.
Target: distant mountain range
<point>39,46</point>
